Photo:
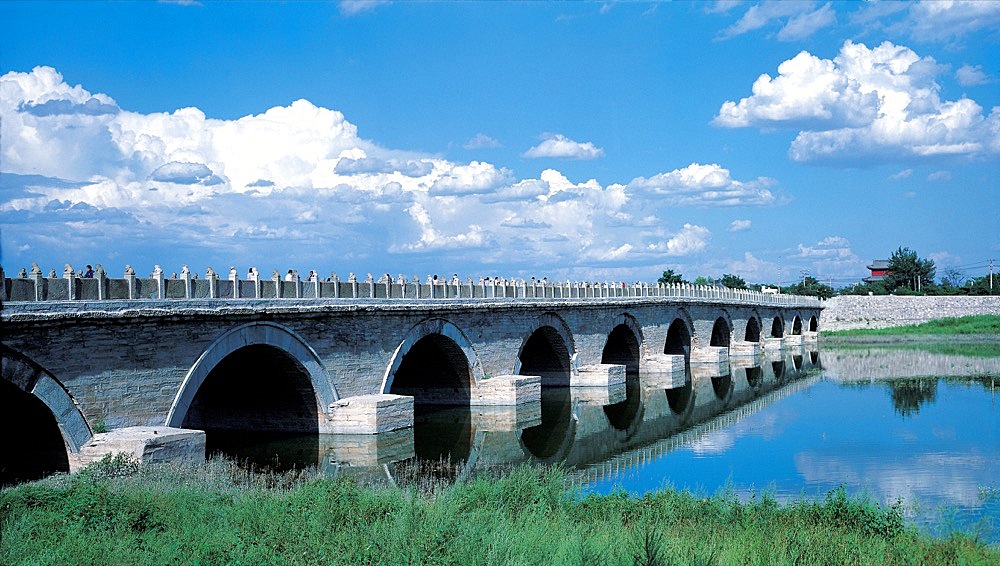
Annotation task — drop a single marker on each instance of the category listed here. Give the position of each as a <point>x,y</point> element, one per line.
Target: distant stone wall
<point>860,311</point>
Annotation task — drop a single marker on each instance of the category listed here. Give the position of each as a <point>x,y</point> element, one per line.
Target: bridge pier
<point>743,349</point>
<point>507,390</point>
<point>710,355</point>
<point>598,375</point>
<point>368,414</point>
<point>149,444</point>
<point>664,371</point>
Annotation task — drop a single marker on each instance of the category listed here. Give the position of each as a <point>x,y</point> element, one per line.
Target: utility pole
<point>991,275</point>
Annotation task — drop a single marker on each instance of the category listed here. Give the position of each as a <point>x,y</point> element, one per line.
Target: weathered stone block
<point>598,375</point>
<point>149,444</point>
<point>794,340</point>
<point>369,414</point>
<point>710,355</point>
<point>742,349</point>
<point>507,390</point>
<point>663,371</point>
<point>772,343</point>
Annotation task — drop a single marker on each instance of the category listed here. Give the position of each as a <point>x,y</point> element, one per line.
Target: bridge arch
<point>439,343</point>
<point>721,332</point>
<point>796,325</point>
<point>549,352</point>
<point>255,337</point>
<point>551,338</point>
<point>624,346</point>
<point>777,327</point>
<point>752,332</point>
<point>33,400</point>
<point>680,335</point>
<point>813,324</point>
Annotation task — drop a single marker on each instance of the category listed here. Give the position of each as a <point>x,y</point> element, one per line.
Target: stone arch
<point>624,346</point>
<point>753,331</point>
<point>680,337</point>
<point>556,328</point>
<point>777,327</point>
<point>253,334</point>
<point>33,379</point>
<point>813,324</point>
<point>630,322</point>
<point>796,325</point>
<point>432,327</point>
<point>721,331</point>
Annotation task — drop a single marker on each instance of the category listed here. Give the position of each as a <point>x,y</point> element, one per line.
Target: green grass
<point>974,324</point>
<point>119,513</point>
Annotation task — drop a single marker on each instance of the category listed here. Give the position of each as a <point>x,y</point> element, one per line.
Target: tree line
<point>906,274</point>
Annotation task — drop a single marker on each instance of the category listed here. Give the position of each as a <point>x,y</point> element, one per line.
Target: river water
<point>912,426</point>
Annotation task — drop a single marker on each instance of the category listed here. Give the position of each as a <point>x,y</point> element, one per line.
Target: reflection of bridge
<point>354,366</point>
<point>631,459</point>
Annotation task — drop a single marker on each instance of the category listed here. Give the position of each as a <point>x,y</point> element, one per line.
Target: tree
<point>670,278</point>
<point>812,287</point>
<point>907,271</point>
<point>733,281</point>
<point>702,280</point>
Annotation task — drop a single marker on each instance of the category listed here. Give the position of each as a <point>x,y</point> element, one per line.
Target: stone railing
<point>74,285</point>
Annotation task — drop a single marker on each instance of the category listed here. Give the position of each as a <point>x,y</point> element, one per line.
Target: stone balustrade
<point>73,286</point>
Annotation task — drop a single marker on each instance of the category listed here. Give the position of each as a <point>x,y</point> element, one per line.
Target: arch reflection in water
<point>622,348</point>
<point>546,355</point>
<point>436,373</point>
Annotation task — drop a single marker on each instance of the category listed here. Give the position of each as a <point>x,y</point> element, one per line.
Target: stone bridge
<point>154,359</point>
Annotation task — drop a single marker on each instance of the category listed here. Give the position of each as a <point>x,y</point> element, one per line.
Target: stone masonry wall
<point>859,311</point>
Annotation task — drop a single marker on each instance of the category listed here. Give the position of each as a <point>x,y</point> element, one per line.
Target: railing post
<point>161,291</point>
<point>186,278</point>
<point>235,278</point>
<point>36,276</point>
<point>102,281</point>
<point>254,276</point>
<point>213,283</point>
<point>130,281</point>
<point>68,275</point>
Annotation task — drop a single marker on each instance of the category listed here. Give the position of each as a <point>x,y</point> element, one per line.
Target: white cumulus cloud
<point>739,225</point>
<point>871,105</point>
<point>558,145</point>
<point>700,184</point>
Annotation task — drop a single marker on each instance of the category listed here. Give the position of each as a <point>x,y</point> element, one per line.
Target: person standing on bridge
<point>89,274</point>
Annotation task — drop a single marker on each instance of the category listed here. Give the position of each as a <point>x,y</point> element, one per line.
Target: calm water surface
<point>898,426</point>
<point>931,444</point>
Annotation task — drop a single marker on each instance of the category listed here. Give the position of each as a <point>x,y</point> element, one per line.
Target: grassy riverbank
<point>981,324</point>
<point>119,513</point>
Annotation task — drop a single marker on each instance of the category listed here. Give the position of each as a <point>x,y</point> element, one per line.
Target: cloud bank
<point>866,105</point>
<point>297,184</point>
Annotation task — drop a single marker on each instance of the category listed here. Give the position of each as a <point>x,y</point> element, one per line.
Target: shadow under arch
<point>437,366</point>
<point>547,353</point>
<point>254,336</point>
<point>796,326</point>
<point>624,347</point>
<point>424,329</point>
<point>33,401</point>
<point>753,329</point>
<point>721,332</point>
<point>777,327</point>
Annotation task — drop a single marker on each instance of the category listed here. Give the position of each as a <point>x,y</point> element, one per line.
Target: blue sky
<point>580,140</point>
